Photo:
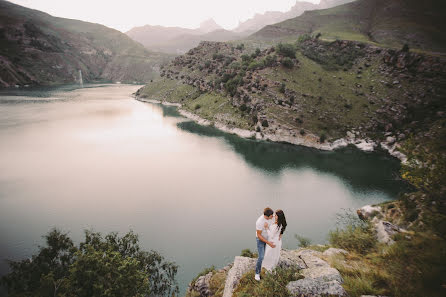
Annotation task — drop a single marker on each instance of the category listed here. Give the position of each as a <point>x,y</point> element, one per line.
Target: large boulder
<point>385,230</point>
<point>202,285</point>
<point>334,251</point>
<point>241,266</point>
<point>320,279</point>
<point>315,287</point>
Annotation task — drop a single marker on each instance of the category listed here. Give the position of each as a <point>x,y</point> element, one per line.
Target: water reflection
<point>363,171</point>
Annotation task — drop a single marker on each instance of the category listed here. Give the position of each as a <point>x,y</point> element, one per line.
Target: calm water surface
<point>96,158</point>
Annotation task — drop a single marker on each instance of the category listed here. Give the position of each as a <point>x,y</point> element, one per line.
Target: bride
<point>275,232</point>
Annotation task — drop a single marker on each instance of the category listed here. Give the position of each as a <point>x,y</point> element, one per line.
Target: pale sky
<point>124,15</point>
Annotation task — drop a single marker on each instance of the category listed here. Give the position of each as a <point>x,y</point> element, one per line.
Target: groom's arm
<point>259,235</point>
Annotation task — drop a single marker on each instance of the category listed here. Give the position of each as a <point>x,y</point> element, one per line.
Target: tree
<point>109,266</point>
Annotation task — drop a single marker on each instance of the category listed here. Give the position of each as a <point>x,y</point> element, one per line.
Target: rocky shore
<point>308,140</point>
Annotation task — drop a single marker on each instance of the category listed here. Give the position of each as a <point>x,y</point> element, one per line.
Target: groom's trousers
<point>261,250</point>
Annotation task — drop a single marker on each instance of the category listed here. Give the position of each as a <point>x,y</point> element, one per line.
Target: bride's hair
<point>281,221</point>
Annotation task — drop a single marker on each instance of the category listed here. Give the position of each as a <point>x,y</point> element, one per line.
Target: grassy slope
<point>37,48</point>
<point>329,99</point>
<point>386,22</point>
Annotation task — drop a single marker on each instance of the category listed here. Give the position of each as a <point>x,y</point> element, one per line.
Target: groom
<point>262,225</point>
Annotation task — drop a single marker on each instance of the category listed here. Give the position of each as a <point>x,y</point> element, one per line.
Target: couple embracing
<point>269,230</point>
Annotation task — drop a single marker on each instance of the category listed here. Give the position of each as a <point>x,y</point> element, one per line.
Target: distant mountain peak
<point>209,25</point>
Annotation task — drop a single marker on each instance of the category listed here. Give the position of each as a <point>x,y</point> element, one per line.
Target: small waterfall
<point>81,82</point>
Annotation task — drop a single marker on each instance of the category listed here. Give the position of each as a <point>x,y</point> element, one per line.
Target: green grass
<point>169,90</point>
<point>271,284</point>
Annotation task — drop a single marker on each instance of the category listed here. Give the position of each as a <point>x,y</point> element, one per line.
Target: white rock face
<point>385,230</point>
<point>367,211</point>
<point>334,251</point>
<point>241,266</point>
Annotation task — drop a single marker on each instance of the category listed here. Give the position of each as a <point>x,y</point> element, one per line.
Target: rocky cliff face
<point>37,48</point>
<point>362,94</point>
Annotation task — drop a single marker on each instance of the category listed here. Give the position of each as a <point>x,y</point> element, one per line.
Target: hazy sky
<point>123,15</point>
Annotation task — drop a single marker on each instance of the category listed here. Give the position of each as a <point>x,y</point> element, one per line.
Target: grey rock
<point>390,139</point>
<point>324,273</point>
<point>202,285</point>
<point>320,279</point>
<point>385,230</point>
<point>290,258</point>
<point>334,251</point>
<point>241,266</point>
<point>315,287</point>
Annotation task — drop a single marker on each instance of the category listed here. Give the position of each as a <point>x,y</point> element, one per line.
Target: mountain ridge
<point>37,48</point>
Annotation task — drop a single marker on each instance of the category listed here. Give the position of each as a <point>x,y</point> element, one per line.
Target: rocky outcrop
<point>241,266</point>
<point>320,279</point>
<point>202,284</point>
<point>334,251</point>
<point>383,228</point>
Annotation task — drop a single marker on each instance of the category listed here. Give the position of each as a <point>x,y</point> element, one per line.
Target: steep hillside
<point>271,17</point>
<point>420,24</point>
<point>36,48</point>
<point>312,93</point>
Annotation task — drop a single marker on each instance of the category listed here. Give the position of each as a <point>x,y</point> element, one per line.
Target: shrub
<point>218,57</point>
<point>265,123</point>
<point>287,63</point>
<point>322,138</point>
<point>286,50</point>
<point>248,253</point>
<point>405,48</point>
<point>360,239</point>
<point>303,241</point>
<point>197,106</point>
<point>282,88</point>
<point>269,60</point>
<point>246,58</point>
<point>302,132</point>
<point>303,38</point>
<point>256,65</point>
<point>240,46</point>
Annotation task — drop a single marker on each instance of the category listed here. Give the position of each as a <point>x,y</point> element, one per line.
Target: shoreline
<point>309,140</point>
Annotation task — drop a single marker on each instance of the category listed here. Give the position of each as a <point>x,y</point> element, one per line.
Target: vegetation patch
<point>271,284</point>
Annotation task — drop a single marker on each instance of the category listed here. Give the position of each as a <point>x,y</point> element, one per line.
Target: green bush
<point>303,38</point>
<point>287,63</point>
<point>303,241</point>
<point>286,50</point>
<point>248,253</point>
<point>322,138</point>
<point>282,88</point>
<point>99,266</point>
<point>197,106</point>
<point>355,238</point>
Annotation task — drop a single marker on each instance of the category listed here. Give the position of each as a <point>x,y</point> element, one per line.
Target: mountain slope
<point>271,17</point>
<point>176,40</point>
<point>420,24</point>
<point>37,48</point>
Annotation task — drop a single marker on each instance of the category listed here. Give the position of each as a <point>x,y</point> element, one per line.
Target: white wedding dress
<point>272,254</point>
